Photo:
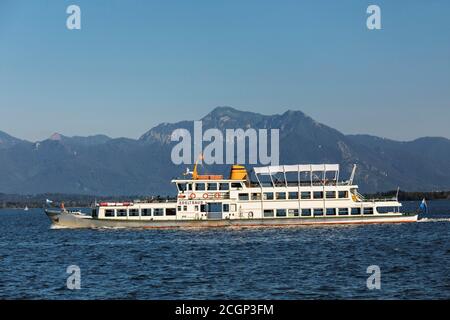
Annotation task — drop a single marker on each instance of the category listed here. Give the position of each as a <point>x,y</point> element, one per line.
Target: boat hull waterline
<point>70,220</point>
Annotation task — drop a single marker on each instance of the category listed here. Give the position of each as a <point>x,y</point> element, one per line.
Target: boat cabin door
<point>214,210</point>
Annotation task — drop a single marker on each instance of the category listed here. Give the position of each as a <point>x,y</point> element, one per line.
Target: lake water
<point>326,262</point>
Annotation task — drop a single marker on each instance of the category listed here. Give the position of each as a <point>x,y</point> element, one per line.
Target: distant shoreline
<point>16,201</point>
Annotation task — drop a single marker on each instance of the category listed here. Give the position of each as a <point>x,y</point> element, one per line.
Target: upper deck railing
<point>298,184</point>
<point>304,175</point>
<point>170,200</point>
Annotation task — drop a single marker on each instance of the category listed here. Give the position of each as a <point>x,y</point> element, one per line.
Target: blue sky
<point>135,64</point>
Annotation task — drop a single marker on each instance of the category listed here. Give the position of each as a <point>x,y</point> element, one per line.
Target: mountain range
<point>104,166</point>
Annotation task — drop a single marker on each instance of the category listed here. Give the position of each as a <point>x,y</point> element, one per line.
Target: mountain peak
<point>56,137</point>
<point>225,114</point>
<point>291,112</point>
<point>219,109</point>
<point>224,111</point>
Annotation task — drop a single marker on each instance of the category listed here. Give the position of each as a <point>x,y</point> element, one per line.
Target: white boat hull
<point>69,220</point>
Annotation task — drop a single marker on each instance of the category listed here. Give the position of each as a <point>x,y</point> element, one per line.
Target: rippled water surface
<point>263,263</point>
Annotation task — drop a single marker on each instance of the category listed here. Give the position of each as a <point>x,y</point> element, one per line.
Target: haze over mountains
<point>104,166</point>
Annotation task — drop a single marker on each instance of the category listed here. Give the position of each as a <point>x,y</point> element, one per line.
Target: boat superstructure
<point>278,196</point>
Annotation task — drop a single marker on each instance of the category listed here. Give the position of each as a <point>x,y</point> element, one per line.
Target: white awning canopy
<point>296,168</point>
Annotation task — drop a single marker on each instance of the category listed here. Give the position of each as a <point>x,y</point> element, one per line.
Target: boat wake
<point>56,227</point>
<point>111,228</point>
<point>434,220</point>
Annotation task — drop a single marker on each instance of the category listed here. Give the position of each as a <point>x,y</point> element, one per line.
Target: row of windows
<point>315,212</point>
<point>210,186</point>
<point>204,208</point>
<point>140,212</point>
<point>306,195</point>
<point>214,186</point>
<point>267,212</point>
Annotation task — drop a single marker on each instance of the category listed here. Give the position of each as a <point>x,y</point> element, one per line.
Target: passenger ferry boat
<point>286,195</point>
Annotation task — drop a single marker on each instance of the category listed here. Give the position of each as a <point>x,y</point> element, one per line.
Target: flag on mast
<point>423,206</point>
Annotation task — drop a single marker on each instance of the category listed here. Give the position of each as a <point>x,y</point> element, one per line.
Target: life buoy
<point>205,196</point>
<point>217,195</point>
<point>192,196</point>
<point>250,214</point>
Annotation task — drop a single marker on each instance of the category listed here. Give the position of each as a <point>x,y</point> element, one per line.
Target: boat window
<point>171,212</point>
<point>256,196</point>
<point>133,212</point>
<point>226,207</point>
<point>121,212</point>
<point>281,195</point>
<point>196,208</point>
<point>268,213</point>
<point>268,195</point>
<point>184,208</point>
<point>233,208</point>
<point>243,196</point>
<point>203,208</point>
<point>293,195</point>
<point>236,185</point>
<point>293,212</point>
<point>331,212</point>
<point>189,186</point>
<point>109,213</point>
<point>306,212</point>
<point>368,210</point>
<point>343,211</point>
<point>281,212</point>
<point>318,212</point>
<point>181,186</point>
<point>305,195</point>
<point>179,208</point>
<point>318,195</point>
<point>385,209</point>
<point>356,211</point>
<point>343,194</point>
<point>146,212</point>
<point>200,186</point>
<point>331,194</point>
<point>224,186</point>
<point>158,212</point>
<point>212,186</point>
